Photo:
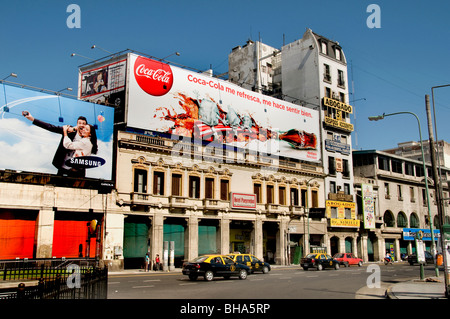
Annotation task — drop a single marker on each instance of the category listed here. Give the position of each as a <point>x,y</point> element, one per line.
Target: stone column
<point>44,233</point>
<point>157,236</point>
<point>225,235</point>
<point>191,238</point>
<point>258,237</point>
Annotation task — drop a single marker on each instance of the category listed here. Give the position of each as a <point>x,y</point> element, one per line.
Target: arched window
<point>414,221</point>
<point>402,221</point>
<point>389,220</point>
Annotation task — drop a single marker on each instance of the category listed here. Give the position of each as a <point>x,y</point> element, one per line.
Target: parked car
<point>319,261</point>
<point>210,266</point>
<point>412,259</point>
<point>348,259</point>
<point>251,261</point>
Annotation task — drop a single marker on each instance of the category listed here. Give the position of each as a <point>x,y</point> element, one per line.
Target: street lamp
<point>381,117</point>
<point>175,53</point>
<point>14,75</point>
<point>74,54</point>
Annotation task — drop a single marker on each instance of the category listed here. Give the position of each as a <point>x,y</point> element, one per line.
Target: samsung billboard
<point>171,100</point>
<point>52,134</point>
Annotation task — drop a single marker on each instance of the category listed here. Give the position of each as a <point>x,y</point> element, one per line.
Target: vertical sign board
<point>368,206</point>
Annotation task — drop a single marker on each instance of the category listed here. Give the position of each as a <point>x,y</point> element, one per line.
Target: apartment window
<point>346,189</point>
<point>294,197</point>
<point>341,79</point>
<point>345,168</point>
<point>224,189</point>
<point>399,192</point>
<point>326,73</point>
<point>383,163</point>
<point>303,196</point>
<point>209,188</point>
<point>257,192</point>
<point>411,194</point>
<point>338,54</point>
<point>387,193</point>
<point>331,165</point>
<point>424,197</point>
<point>176,185</point>
<point>323,47</point>
<point>314,198</point>
<point>282,195</point>
<point>409,169</point>
<point>328,92</point>
<point>397,166</point>
<point>419,171</point>
<point>140,181</point>
<point>269,193</point>
<point>333,187</point>
<point>194,186</point>
<point>342,98</point>
<point>158,183</point>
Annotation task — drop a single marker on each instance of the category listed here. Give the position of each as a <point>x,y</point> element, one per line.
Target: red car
<point>348,259</point>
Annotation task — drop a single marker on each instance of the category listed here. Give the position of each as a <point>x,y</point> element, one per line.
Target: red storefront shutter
<point>17,232</point>
<point>68,235</point>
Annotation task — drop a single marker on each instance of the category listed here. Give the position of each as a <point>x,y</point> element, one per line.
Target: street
<point>281,283</point>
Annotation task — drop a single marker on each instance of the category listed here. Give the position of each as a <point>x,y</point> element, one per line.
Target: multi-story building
<point>413,150</point>
<point>312,72</point>
<point>400,202</point>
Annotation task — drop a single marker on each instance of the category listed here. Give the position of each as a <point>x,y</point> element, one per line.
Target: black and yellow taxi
<point>319,261</point>
<point>251,261</point>
<point>210,266</point>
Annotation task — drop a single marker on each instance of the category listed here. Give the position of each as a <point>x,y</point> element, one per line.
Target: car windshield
<point>339,256</point>
<point>311,256</point>
<point>227,260</point>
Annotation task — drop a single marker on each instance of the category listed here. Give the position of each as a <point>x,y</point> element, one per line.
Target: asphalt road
<point>367,282</point>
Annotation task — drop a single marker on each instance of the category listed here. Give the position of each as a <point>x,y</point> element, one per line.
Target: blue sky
<point>391,68</point>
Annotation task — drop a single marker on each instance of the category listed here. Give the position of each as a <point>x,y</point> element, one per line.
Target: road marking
<point>150,286</point>
<point>256,279</point>
<point>188,284</point>
<point>152,280</point>
<point>312,276</point>
<point>224,282</point>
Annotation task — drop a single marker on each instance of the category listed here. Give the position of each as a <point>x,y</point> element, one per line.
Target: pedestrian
<point>157,262</point>
<point>147,262</point>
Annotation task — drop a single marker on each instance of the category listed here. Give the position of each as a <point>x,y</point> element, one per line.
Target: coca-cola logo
<point>154,77</point>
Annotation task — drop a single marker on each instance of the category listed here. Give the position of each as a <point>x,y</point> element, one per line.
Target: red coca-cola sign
<point>154,77</point>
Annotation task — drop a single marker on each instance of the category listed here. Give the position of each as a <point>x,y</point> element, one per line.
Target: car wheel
<point>346,264</point>
<point>319,267</point>
<point>265,270</point>
<point>209,275</point>
<point>360,264</point>
<point>336,266</point>
<point>193,277</point>
<point>242,274</point>
<point>305,268</point>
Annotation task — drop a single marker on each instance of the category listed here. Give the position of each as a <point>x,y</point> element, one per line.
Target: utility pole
<point>437,187</point>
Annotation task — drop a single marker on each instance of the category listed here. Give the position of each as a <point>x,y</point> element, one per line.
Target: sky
<point>390,68</point>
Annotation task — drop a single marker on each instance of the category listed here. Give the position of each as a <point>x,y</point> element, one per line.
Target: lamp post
<point>381,117</point>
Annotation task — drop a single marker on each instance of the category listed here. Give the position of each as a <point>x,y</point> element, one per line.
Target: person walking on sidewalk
<point>157,263</point>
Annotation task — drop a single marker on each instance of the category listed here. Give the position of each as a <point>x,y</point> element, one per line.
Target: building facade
<point>400,201</point>
<point>312,72</point>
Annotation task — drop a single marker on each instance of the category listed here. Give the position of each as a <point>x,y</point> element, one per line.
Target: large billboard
<point>48,133</point>
<point>167,99</point>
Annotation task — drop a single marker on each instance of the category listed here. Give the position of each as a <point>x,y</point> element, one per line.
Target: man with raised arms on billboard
<point>75,134</point>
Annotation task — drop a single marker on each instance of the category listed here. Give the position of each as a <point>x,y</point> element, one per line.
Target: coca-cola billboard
<point>154,77</point>
<point>166,99</point>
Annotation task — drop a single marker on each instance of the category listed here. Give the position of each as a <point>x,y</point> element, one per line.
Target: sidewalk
<point>429,288</point>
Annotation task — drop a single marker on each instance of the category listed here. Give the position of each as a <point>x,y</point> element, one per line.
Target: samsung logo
<point>85,162</point>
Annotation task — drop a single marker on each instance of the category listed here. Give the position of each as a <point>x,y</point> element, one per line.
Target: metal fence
<point>53,279</point>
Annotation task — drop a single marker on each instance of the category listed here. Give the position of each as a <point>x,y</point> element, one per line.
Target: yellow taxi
<point>251,261</point>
